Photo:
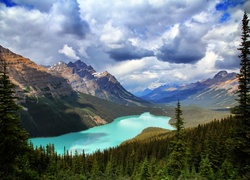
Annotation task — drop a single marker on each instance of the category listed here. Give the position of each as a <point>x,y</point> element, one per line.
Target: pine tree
<point>179,124</point>
<point>177,161</point>
<point>206,169</point>
<point>226,171</point>
<point>13,139</point>
<point>145,170</point>
<point>242,111</point>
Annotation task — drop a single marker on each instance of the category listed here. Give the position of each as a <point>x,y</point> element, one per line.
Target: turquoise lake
<point>104,136</point>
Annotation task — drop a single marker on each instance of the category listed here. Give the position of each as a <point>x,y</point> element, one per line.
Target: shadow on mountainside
<point>52,117</point>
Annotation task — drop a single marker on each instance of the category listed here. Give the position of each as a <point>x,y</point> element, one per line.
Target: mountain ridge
<point>31,79</point>
<point>85,79</point>
<point>217,91</point>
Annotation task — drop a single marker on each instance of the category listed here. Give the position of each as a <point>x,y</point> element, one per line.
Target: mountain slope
<point>216,91</point>
<point>51,117</point>
<point>51,107</point>
<point>85,79</point>
<point>32,79</point>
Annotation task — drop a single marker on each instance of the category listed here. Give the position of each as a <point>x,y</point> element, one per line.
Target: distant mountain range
<point>66,97</point>
<point>218,91</point>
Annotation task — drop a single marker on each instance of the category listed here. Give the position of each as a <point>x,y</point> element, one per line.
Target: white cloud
<point>39,34</point>
<point>112,36</point>
<point>224,40</point>
<point>126,67</point>
<point>247,6</point>
<point>180,75</point>
<point>203,17</point>
<point>68,52</point>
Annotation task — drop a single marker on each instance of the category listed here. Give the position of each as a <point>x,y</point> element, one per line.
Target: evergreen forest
<point>213,151</point>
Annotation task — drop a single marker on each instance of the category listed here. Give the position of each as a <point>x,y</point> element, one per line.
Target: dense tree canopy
<point>13,138</point>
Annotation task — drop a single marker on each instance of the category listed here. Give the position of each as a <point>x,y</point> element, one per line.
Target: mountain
<point>50,106</point>
<point>32,79</point>
<point>217,91</point>
<point>142,93</point>
<point>85,79</point>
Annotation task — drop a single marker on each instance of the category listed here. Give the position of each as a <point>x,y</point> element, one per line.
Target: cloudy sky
<point>143,43</point>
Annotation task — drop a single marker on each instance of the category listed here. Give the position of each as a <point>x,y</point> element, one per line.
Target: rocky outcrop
<point>32,79</point>
<point>85,79</point>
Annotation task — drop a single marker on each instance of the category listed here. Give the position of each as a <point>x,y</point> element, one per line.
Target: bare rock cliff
<point>85,79</point>
<point>32,79</point>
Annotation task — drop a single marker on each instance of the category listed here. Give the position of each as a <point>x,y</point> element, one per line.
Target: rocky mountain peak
<point>6,53</point>
<point>78,64</point>
<point>32,79</point>
<point>58,66</point>
<point>16,59</point>
<point>85,79</point>
<point>224,76</point>
<point>106,75</point>
<point>80,68</point>
<point>221,74</point>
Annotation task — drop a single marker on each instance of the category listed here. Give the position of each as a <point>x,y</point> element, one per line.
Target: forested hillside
<point>207,154</point>
<point>43,117</point>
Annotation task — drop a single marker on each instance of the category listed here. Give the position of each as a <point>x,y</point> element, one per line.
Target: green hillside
<point>195,115</point>
<point>149,134</point>
<point>50,117</point>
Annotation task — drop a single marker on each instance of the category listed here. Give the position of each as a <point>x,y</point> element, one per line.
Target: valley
<point>72,97</point>
<point>195,115</point>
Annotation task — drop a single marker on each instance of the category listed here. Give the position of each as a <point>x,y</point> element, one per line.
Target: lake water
<point>104,136</point>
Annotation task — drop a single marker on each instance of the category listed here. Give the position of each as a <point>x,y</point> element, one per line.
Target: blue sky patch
<point>224,17</point>
<point>9,3</point>
<point>225,4</point>
<point>221,6</point>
